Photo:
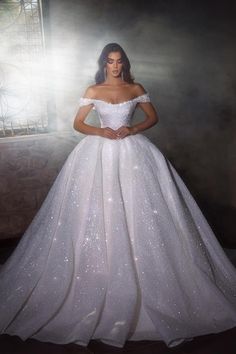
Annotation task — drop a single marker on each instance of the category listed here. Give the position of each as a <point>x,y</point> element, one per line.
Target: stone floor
<point>220,343</point>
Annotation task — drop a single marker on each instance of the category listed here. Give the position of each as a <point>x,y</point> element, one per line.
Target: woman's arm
<point>82,114</point>
<point>82,127</point>
<point>150,120</point>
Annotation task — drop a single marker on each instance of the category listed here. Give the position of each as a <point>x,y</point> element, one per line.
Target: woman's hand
<point>119,133</point>
<point>124,131</point>
<point>108,133</point>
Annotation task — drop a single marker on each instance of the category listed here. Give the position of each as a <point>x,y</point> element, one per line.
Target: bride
<point>114,84</point>
<point>119,250</point>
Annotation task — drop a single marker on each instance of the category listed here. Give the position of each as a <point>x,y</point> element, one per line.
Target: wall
<point>28,167</point>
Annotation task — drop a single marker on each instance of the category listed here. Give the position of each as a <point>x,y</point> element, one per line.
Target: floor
<point>220,343</point>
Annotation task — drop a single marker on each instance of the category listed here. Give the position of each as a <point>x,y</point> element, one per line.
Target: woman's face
<point>114,64</point>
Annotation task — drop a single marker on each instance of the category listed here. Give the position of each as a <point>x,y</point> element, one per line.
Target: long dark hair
<point>102,61</point>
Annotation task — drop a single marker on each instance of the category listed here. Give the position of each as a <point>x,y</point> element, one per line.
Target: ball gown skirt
<point>118,251</point>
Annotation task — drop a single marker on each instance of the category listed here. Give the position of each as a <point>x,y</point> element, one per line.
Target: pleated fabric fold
<point>118,251</point>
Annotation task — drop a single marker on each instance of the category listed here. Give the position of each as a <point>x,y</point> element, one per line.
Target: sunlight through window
<point>23,103</point>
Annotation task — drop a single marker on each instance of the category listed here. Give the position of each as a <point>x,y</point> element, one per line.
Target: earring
<point>105,73</point>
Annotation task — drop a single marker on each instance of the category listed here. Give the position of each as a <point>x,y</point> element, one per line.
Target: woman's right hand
<point>108,133</point>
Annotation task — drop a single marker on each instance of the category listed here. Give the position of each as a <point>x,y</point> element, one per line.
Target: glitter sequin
<point>119,250</point>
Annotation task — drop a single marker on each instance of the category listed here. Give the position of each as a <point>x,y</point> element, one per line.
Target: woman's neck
<point>114,81</point>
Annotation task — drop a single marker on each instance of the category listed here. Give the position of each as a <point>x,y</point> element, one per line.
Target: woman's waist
<point>114,126</point>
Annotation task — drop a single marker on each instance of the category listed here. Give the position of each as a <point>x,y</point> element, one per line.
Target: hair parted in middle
<point>102,61</point>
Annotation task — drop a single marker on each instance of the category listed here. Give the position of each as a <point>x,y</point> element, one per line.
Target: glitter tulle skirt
<point>118,251</point>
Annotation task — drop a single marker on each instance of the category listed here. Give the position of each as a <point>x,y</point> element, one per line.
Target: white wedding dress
<point>118,251</point>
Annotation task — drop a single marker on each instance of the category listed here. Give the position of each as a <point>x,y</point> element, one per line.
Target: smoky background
<point>182,52</point>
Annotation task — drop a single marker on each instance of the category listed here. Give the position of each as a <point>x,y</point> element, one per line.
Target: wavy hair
<point>102,61</point>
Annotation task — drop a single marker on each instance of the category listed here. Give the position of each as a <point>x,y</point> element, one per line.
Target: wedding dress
<point>118,251</point>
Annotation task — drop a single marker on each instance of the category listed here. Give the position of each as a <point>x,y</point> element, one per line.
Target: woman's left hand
<point>123,131</point>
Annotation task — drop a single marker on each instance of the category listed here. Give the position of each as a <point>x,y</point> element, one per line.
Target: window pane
<point>23,108</point>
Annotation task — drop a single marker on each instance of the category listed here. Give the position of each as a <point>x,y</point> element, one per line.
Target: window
<point>23,103</point>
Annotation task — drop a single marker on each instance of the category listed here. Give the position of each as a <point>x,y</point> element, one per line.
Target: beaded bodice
<point>114,115</point>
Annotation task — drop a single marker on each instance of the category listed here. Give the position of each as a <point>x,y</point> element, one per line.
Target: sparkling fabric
<point>118,251</point>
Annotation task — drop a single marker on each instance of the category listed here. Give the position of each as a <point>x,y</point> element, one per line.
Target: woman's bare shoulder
<point>90,92</point>
<point>93,91</point>
<point>138,89</point>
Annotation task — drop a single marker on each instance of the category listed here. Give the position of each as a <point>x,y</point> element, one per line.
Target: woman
<point>119,250</point>
<point>114,84</point>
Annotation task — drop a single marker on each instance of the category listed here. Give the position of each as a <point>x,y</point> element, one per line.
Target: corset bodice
<point>114,115</point>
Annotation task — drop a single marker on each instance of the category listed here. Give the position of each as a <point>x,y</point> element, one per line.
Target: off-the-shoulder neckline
<point>114,104</point>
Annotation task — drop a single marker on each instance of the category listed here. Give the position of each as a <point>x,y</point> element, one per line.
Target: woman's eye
<point>111,62</point>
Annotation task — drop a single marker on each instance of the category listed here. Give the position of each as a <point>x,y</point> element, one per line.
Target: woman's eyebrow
<point>113,59</point>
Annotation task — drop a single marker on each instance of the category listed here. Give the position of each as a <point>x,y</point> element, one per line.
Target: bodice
<point>114,115</point>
